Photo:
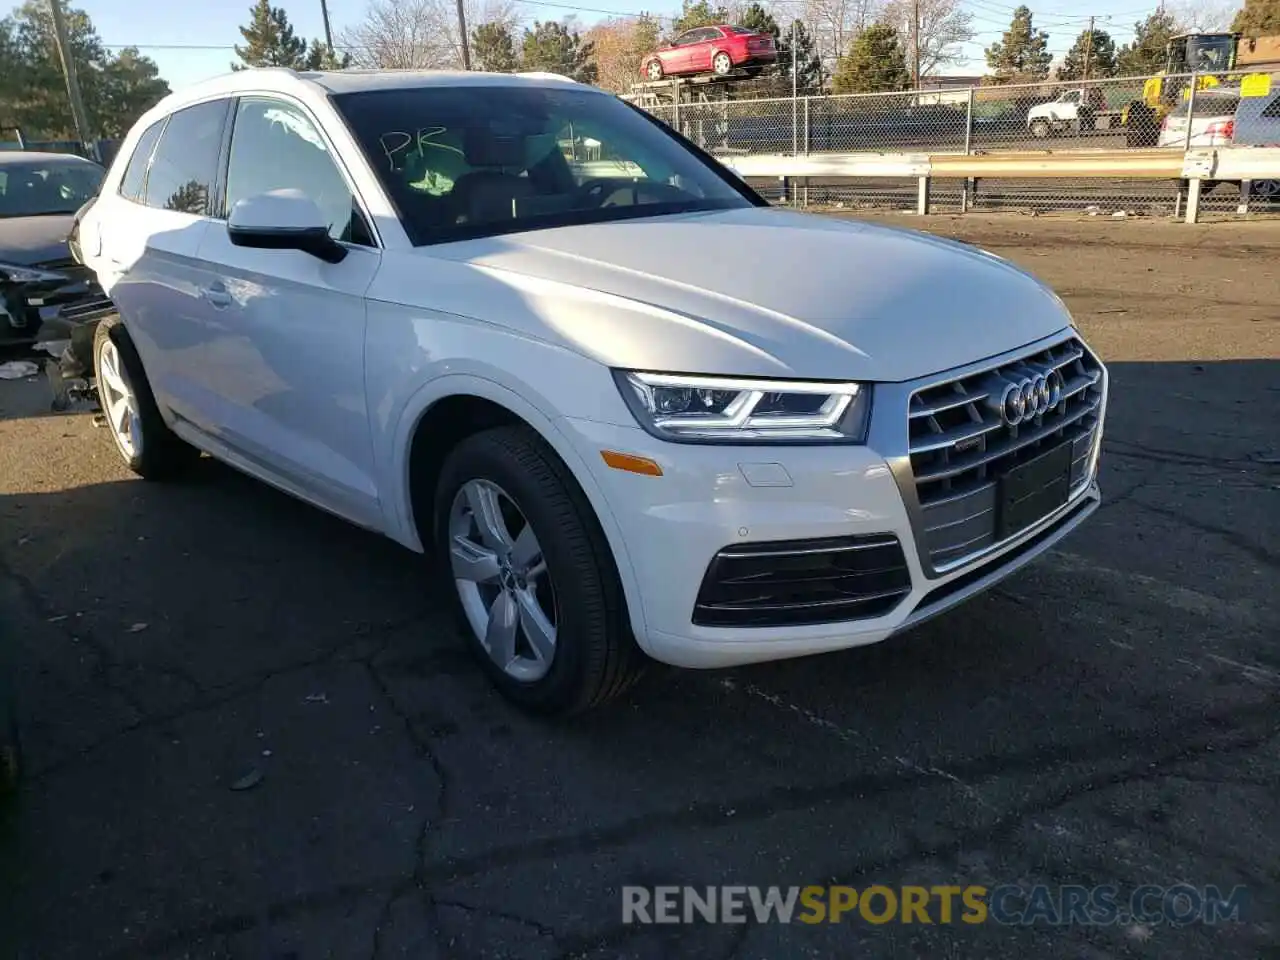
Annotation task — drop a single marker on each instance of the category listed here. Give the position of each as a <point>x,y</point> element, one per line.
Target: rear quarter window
<point>134,180</point>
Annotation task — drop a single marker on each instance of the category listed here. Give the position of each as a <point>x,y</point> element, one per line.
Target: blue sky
<point>197,42</point>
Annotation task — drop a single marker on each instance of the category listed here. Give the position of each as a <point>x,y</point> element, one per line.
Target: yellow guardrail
<point>1196,166</point>
<point>1133,164</point>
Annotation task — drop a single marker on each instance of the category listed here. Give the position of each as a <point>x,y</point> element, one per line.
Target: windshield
<point>1210,53</point>
<point>470,161</point>
<point>39,189</point>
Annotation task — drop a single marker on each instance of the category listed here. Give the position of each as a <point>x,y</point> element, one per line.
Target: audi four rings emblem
<point>1032,395</point>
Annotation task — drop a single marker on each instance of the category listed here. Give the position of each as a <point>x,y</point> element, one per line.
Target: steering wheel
<point>594,191</point>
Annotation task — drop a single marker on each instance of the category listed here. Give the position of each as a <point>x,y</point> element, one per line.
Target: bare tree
<point>944,27</point>
<point>834,24</point>
<point>419,34</point>
<point>1204,16</point>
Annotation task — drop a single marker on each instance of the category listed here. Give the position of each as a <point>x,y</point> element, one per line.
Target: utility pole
<point>915,42</point>
<point>462,29</point>
<point>1088,49</point>
<point>78,116</point>
<point>328,32</point>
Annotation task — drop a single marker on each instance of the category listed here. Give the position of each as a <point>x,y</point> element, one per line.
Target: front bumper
<point>26,307</point>
<point>710,498</point>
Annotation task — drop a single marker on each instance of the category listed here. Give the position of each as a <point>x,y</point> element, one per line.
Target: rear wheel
<point>1142,128</point>
<point>721,63</point>
<point>144,442</point>
<point>531,576</point>
<point>1266,190</point>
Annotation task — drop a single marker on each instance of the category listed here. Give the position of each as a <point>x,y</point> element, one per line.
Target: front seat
<point>485,196</point>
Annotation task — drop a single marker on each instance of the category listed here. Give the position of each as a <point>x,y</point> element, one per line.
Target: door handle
<point>216,295</point>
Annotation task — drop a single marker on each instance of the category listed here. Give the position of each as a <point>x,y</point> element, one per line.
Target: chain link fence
<point>1175,112</point>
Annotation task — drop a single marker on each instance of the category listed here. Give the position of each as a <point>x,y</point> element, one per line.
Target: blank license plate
<point>1033,490</point>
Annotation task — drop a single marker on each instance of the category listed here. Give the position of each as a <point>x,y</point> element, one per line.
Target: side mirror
<point>283,220</point>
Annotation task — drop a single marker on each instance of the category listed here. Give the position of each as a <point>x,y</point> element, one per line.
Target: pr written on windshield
<point>398,144</point>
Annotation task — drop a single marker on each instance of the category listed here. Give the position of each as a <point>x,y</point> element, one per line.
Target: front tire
<point>654,70</point>
<point>530,575</point>
<point>722,64</point>
<point>1039,129</point>
<point>147,446</point>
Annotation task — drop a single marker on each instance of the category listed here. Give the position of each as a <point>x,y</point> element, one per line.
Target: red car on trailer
<point>720,49</point>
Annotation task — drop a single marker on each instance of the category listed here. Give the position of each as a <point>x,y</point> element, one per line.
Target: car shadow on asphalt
<point>249,721</point>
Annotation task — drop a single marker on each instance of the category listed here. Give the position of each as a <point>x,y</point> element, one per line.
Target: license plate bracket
<point>1033,490</point>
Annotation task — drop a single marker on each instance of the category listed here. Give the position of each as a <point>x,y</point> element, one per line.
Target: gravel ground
<point>1108,716</point>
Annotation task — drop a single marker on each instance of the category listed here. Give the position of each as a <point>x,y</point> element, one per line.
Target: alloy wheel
<point>119,404</point>
<point>502,580</point>
<point>722,64</point>
<point>655,70</point>
<point>1265,189</point>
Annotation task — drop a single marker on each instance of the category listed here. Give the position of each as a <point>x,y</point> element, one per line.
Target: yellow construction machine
<point>1207,56</point>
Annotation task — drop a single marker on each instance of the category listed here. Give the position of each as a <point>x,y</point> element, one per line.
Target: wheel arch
<point>453,407</point>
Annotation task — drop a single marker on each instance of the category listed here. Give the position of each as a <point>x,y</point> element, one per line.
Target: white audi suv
<point>632,411</point>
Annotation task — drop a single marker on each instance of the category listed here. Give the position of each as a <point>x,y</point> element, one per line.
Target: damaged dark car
<point>46,294</point>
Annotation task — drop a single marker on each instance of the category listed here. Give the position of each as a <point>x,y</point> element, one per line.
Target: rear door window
<point>185,166</point>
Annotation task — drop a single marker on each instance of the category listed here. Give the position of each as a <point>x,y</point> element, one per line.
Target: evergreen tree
<point>757,18</point>
<point>320,57</point>
<point>698,13</point>
<point>804,54</point>
<point>1090,57</point>
<point>269,40</point>
<point>1022,53</point>
<point>493,48</point>
<point>554,48</point>
<point>647,35</point>
<point>875,63</point>
<point>1146,54</point>
<point>33,95</point>
<point>1258,18</point>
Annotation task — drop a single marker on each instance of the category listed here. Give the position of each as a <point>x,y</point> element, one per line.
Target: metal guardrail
<point>1197,167</point>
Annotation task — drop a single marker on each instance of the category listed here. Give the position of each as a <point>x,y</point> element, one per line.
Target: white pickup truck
<point>1074,111</point>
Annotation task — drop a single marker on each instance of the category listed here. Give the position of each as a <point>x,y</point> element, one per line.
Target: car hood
<point>25,241</point>
<point>766,292</point>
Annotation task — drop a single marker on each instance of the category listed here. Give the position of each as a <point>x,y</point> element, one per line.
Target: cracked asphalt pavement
<point>251,733</point>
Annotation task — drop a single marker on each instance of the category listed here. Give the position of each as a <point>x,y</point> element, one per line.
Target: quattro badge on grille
<point>1030,393</point>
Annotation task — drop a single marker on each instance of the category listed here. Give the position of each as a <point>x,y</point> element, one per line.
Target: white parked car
<point>629,415</point>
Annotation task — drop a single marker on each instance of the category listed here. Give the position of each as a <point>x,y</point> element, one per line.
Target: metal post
<point>78,115</point>
<point>1191,112</point>
<point>968,124</point>
<point>922,197</point>
<point>806,124</point>
<point>1246,189</point>
<point>1193,200</point>
<point>795,81</point>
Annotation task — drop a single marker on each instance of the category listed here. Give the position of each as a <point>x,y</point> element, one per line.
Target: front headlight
<point>16,274</point>
<point>700,409</point>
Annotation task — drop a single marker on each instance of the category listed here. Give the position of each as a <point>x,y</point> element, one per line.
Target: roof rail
<point>545,75</point>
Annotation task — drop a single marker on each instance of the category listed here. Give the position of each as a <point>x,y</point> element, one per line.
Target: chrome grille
<point>961,447</point>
